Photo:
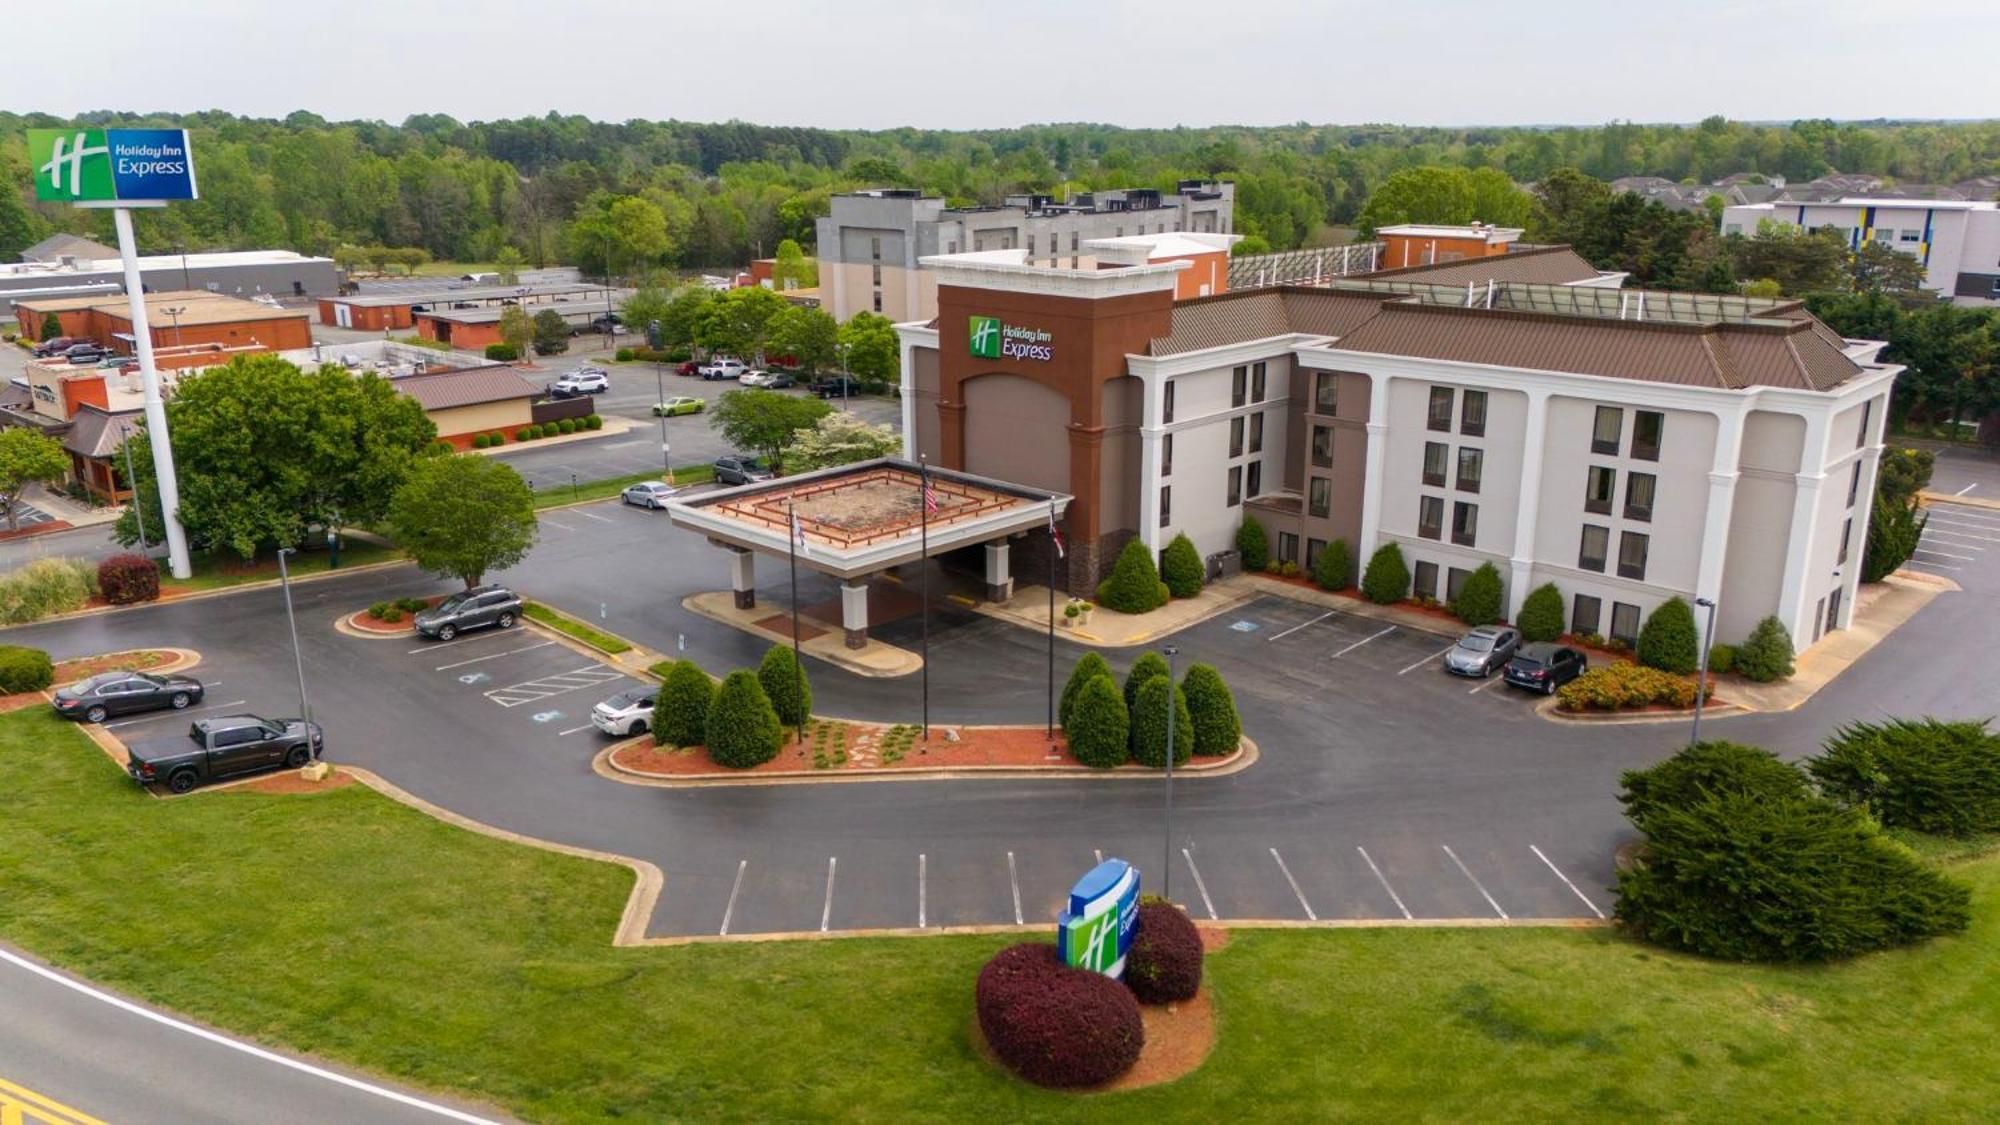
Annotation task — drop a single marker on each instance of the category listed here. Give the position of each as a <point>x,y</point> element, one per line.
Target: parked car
<point>688,368</point>
<point>55,345</point>
<point>1544,667</point>
<point>649,494</point>
<point>778,381</point>
<point>754,378</point>
<point>574,384</point>
<point>679,404</point>
<point>471,609</point>
<point>739,469</point>
<point>723,367</point>
<point>606,322</point>
<point>124,693</point>
<point>221,747</point>
<point>627,713</point>
<point>1482,651</point>
<point>835,386</point>
<point>81,354</point>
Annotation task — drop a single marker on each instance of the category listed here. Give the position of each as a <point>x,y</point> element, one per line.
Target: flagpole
<point>1051,553</point>
<point>924,562</point>
<point>798,662</point>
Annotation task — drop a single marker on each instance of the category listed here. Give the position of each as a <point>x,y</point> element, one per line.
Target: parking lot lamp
<point>291,621</point>
<point>1167,854</point>
<point>660,396</point>
<point>1701,674</point>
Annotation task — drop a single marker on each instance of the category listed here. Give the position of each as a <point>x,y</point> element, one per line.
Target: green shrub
<point>1767,654</point>
<point>680,711</point>
<point>1087,669</point>
<point>786,685</point>
<point>1098,727</point>
<point>1479,600</point>
<point>1923,774</point>
<point>1721,658</point>
<point>1134,585</point>
<point>1387,578</point>
<point>1252,544</point>
<point>1894,530</point>
<point>742,730</point>
<point>25,669</point>
<point>502,353</point>
<point>525,433</point>
<point>480,441</point>
<point>1708,768</point>
<point>566,426</point>
<point>1180,568</point>
<point>441,448</point>
<point>392,615</point>
<point>1668,640</point>
<point>1149,723</point>
<point>1333,569</point>
<point>128,579</point>
<point>593,422</point>
<point>1212,708</point>
<point>46,587</point>
<point>378,609</point>
<point>1542,614</point>
<point>1614,687</point>
<point>411,605</point>
<point>622,355</point>
<point>1148,666</point>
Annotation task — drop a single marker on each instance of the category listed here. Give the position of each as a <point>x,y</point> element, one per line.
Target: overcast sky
<point>969,64</point>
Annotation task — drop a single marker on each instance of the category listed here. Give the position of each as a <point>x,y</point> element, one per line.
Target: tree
<point>1252,545</point>
<point>551,333</point>
<point>679,324</point>
<point>1453,196</point>
<point>792,269</point>
<point>27,457</point>
<point>1134,585</point>
<point>51,326</point>
<point>647,304</point>
<point>810,337</point>
<point>1800,262</point>
<point>1669,640</point>
<point>766,421</point>
<point>742,729</point>
<point>785,684</point>
<point>870,348</point>
<point>1149,723</point>
<point>680,711</point>
<point>841,439</point>
<point>1333,567</point>
<point>1542,614</point>
<point>1928,775</point>
<point>1097,725</point>
<point>464,516</point>
<point>1479,599</point>
<point>1148,666</point>
<point>1180,567</point>
<point>1879,267</point>
<point>1212,708</point>
<point>1767,654</point>
<point>1088,668</point>
<point>1894,533</point>
<point>738,322</point>
<point>1387,578</point>
<point>517,329</point>
<point>507,263</point>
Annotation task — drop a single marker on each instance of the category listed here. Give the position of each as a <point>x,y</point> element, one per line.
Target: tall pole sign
<point>122,169</point>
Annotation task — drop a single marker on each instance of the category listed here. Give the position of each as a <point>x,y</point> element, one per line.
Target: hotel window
<point>1235,485</point>
<point>1288,547</point>
<point>1867,413</point>
<point>1632,547</point>
<point>1646,427</point>
<point>1257,433</point>
<point>1326,392</point>
<point>875,274</point>
<point>1472,419</point>
<point>1639,496</point>
<point>1426,580</point>
<point>1604,431</point>
<point>1256,483</point>
<point>1319,497</point>
<point>1167,402</point>
<point>1454,582</point>
<point>1910,236</point>
<point>1625,623</point>
<point>1819,612</point>
<point>1430,517</point>
<point>1440,419</point>
<point>1167,455</point>
<point>1470,462</point>
<point>1833,609</point>
<point>875,249</point>
<point>1437,455</point>
<point>1166,504</point>
<point>1031,246</point>
<point>1598,488</point>
<point>1257,382</point>
<point>1464,523</point>
<point>1583,618</point>
<point>1236,437</point>
<point>1322,450</point>
<point>1239,382</point>
<point>1846,534</point>
<point>1596,541</point>
<point>951,247</point>
<point>1854,484</point>
<point>1072,242</point>
<point>878,300</point>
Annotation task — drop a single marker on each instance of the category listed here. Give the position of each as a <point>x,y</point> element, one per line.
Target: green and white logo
<point>71,165</point>
<point>986,337</point>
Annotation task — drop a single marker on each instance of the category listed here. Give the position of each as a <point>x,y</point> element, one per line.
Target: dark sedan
<point>1545,667</point>
<point>122,693</point>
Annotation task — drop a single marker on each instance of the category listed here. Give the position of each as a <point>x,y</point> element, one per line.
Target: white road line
<point>1930,531</point>
<point>1362,641</point>
<point>593,516</point>
<point>826,911</point>
<point>1490,681</point>
<point>1960,519</point>
<point>494,656</point>
<point>920,890</point>
<point>1934,566</point>
<point>1199,885</point>
<point>1966,489</point>
<point>1565,879</point>
<point>733,888</point>
<point>1942,555</point>
<point>1015,881</point>
<point>1475,882</point>
<point>1303,904</point>
<point>173,714</point>
<point>1426,660</point>
<point>553,523</point>
<point>243,1048</point>
<point>573,730</point>
<point>1099,853</point>
<point>1301,625</point>
<point>1382,879</point>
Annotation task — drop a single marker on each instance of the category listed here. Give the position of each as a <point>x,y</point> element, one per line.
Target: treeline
<point>719,194</point>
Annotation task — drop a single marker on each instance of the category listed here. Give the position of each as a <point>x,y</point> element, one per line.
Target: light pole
<point>1167,872</point>
<point>175,311</point>
<point>298,657</point>
<point>846,376</point>
<point>660,397</point>
<point>1701,675</point>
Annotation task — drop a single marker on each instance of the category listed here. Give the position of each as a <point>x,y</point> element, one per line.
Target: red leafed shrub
<point>1164,963</point>
<point>125,579</point>
<point>1054,1025</point>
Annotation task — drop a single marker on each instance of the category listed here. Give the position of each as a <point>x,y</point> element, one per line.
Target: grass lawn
<point>216,569</point>
<point>557,494</point>
<point>369,933</point>
<point>570,626</point>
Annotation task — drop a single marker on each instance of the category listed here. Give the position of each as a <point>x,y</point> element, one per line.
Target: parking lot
<point>1957,539</point>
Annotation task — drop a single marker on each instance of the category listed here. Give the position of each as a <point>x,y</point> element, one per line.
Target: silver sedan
<point>649,494</point>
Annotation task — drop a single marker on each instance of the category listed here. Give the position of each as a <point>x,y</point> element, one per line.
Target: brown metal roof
<point>1538,265</point>
<point>94,433</point>
<point>1259,314</point>
<point>469,386</point>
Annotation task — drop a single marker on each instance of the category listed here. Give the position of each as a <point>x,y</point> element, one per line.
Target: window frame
<point>1253,481</point>
<point>1239,386</point>
<point>1651,451</point>
<point>1478,461</point>
<point>1236,436</point>
<point>1442,476</point>
<point>1465,523</point>
<point>1854,483</point>
<point>1449,397</point>
<point>1627,569</point>
<point>1631,636</point>
<point>1641,514</point>
<point>1319,497</point>
<point>1257,432</point>
<point>1235,495</point>
<point>1467,424</point>
<point>1167,402</point>
<point>1321,456</point>
<point>1430,518</point>
<point>1166,504</point>
<point>1259,380</point>
<point>1323,402</point>
<point>1419,587</point>
<point>1600,444</point>
<point>1576,627</point>
<point>1166,455</point>
<point>1583,558</point>
<point>1591,501</point>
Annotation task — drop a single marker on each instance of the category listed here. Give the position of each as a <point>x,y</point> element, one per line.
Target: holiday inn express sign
<point>111,166</point>
<point>990,339</point>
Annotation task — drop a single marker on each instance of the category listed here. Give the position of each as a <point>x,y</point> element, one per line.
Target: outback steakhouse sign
<point>990,339</point>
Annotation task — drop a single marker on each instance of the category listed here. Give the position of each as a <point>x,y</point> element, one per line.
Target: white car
<point>625,714</point>
<point>723,368</point>
<point>649,494</point>
<point>755,378</point>
<point>581,382</point>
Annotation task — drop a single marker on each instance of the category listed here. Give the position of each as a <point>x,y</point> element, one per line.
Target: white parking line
<point>920,890</point>
<point>1303,904</point>
<point>1382,879</point>
<point>826,911</point>
<point>1565,879</point>
<point>1930,531</point>
<point>1966,489</point>
<point>1199,885</point>
<point>1362,641</point>
<point>592,516</point>
<point>494,656</point>
<point>1960,519</point>
<point>1015,881</point>
<point>733,888</point>
<point>1300,625</point>
<point>464,639</point>
<point>553,523</point>
<point>1099,853</point>
<point>542,687</point>
<point>1475,882</point>
<point>1426,660</point>
<point>573,730</point>
<point>1934,566</point>
<point>1945,554</point>
<point>173,714</point>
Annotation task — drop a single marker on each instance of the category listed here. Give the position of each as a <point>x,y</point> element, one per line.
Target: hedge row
<point>742,721</point>
<point>1613,687</point>
<point>540,430</point>
<point>1108,726</point>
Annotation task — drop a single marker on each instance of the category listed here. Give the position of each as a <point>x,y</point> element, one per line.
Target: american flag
<point>1055,534</point>
<point>930,497</point>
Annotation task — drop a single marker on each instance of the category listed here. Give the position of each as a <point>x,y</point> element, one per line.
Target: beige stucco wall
<point>1016,430</point>
<point>1201,425</point>
<point>506,416</point>
<point>1118,483</point>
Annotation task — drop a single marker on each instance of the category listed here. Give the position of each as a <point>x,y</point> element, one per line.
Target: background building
<point>185,324</point>
<point>397,309</point>
<point>1958,241</point>
<point>60,271</point>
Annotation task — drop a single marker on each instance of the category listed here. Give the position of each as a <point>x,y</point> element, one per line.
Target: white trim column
<point>1722,476</point>
<point>1864,510</point>
<point>999,580</point>
<point>1378,458</point>
<point>1149,489</point>
<point>1792,594</point>
<point>743,576</point>
<point>854,612</point>
<point>906,382</point>
<point>1528,503</point>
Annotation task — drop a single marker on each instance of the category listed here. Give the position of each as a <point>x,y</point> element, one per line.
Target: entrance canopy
<point>862,518</point>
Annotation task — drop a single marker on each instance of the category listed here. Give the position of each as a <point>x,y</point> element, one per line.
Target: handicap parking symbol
<point>547,716</point>
<point>472,678</point>
<point>1245,626</point>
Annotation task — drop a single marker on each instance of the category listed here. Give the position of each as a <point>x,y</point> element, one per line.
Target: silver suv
<point>473,609</point>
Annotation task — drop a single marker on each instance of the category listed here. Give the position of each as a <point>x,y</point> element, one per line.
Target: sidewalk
<point>1029,608</point>
<point>771,620</point>
<point>69,511</point>
<point>1879,610</point>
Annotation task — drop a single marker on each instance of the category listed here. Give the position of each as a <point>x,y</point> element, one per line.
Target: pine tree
<point>742,728</point>
<point>1148,666</point>
<point>1180,567</point>
<point>1333,569</point>
<point>1388,576</point>
<point>1149,723</point>
<point>680,711</point>
<point>1668,640</point>
<point>1253,545</point>
<point>1542,614</point>
<point>1478,601</point>
<point>1211,706</point>
<point>1134,585</point>
<point>1098,727</point>
<point>1087,669</point>
<point>785,684</point>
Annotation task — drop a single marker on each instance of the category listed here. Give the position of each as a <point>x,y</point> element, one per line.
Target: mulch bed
<point>1178,1040</point>
<point>781,623</point>
<point>70,671</point>
<point>360,620</point>
<point>289,782</point>
<point>871,748</point>
<point>17,702</point>
<point>43,528</point>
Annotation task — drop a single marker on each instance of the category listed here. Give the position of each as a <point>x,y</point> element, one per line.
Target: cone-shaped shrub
<point>1149,723</point>
<point>1767,655</point>
<point>1542,614</point>
<point>1054,1025</point>
<point>1217,729</point>
<point>1478,601</point>
<point>1388,576</point>
<point>1180,568</point>
<point>1164,963</point>
<point>1149,665</point>
<point>1087,669</point>
<point>1253,545</point>
<point>680,711</point>
<point>1667,640</point>
<point>1134,585</point>
<point>742,729</point>
<point>785,684</point>
<point>1098,728</point>
<point>1333,569</point>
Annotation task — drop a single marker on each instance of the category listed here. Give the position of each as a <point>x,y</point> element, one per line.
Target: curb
<point>184,658</point>
<point>342,626</point>
<point>1932,498</point>
<point>614,657</point>
<point>1713,709</point>
<point>845,664</point>
<point>603,765</point>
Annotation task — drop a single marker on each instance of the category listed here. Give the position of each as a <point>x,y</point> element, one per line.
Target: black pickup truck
<point>222,747</point>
